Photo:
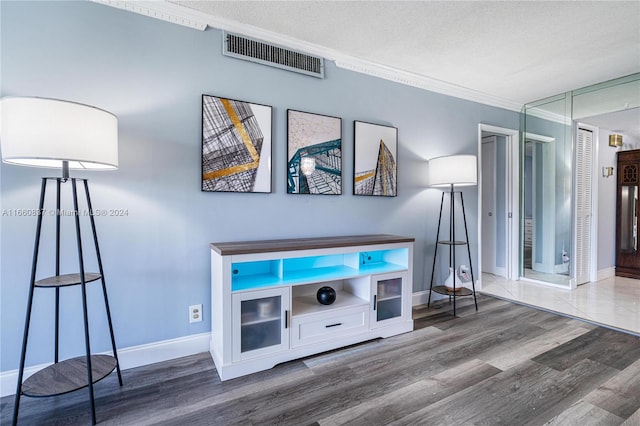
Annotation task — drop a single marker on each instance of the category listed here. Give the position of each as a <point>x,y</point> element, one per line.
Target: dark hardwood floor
<point>504,365</point>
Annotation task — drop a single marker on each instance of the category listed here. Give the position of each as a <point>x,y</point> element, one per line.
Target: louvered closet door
<point>584,166</point>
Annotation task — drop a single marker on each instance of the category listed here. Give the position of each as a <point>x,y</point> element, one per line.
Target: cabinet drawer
<point>309,329</point>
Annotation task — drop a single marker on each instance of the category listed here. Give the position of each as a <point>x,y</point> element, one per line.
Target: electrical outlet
<point>195,313</point>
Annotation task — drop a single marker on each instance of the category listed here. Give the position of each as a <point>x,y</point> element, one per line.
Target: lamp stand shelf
<point>83,371</point>
<point>452,243</point>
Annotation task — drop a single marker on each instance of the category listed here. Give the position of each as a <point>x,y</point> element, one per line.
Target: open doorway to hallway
<point>498,201</point>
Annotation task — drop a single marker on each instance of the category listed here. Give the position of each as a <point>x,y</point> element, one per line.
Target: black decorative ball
<point>326,295</point>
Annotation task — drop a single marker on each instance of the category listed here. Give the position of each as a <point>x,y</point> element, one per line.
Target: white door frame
<point>512,203</point>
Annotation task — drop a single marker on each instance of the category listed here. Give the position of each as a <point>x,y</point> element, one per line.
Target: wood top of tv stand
<point>267,246</point>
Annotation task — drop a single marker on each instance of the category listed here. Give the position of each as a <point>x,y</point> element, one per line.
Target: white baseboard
<point>131,357</point>
<point>606,273</point>
<point>500,271</point>
<point>421,297</point>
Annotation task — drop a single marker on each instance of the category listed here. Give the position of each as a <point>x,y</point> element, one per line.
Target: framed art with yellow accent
<point>314,153</point>
<point>375,166</point>
<point>236,145</point>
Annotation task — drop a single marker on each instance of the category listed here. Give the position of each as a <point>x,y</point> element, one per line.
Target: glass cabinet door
<point>387,296</point>
<point>629,218</point>
<point>260,322</point>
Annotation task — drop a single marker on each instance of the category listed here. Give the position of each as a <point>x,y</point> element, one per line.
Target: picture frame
<point>236,146</point>
<point>375,168</point>
<point>314,153</point>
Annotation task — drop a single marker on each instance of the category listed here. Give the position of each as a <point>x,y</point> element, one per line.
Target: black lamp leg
<point>104,287</point>
<point>32,285</point>
<point>57,314</point>
<point>466,231</point>
<point>452,247</point>
<point>435,253</point>
<point>84,300</point>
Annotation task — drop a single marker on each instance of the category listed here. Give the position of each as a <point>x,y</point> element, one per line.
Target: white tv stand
<point>263,297</point>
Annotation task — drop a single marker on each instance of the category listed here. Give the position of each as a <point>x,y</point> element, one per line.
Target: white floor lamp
<point>59,134</point>
<point>448,172</point>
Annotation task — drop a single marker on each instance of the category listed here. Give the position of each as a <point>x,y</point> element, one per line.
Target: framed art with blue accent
<point>314,153</point>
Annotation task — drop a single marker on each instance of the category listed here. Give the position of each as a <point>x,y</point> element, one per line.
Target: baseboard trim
<point>420,298</point>
<point>131,357</point>
<point>606,273</point>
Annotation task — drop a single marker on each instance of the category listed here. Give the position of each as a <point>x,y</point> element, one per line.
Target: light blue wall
<point>151,74</point>
<point>607,194</point>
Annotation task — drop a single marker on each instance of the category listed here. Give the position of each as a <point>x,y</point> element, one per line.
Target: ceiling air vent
<point>258,51</point>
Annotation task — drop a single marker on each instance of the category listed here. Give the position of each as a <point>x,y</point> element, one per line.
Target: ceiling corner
<point>162,10</point>
<point>426,83</point>
<point>181,15</point>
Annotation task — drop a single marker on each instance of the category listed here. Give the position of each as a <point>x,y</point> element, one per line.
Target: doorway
<point>498,201</point>
<point>494,242</point>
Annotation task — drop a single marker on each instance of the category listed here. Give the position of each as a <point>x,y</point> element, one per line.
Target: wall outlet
<point>195,313</point>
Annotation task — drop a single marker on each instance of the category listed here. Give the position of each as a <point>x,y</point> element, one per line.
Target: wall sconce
<point>307,165</point>
<point>607,171</point>
<point>615,140</point>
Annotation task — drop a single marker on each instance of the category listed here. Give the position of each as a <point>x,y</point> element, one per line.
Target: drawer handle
<point>333,325</point>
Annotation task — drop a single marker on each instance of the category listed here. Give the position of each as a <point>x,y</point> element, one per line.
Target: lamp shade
<point>461,170</point>
<point>43,132</point>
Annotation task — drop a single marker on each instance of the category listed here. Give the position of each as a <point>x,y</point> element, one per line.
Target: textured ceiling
<point>515,50</point>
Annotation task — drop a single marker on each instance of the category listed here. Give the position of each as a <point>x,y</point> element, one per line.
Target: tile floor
<point>612,302</point>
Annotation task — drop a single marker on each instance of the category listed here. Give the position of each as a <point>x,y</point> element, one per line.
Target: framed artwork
<point>314,153</point>
<point>236,145</point>
<point>375,167</point>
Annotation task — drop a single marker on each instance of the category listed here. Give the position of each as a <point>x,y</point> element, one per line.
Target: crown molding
<point>547,115</point>
<point>162,10</point>
<point>425,83</point>
<point>184,16</point>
